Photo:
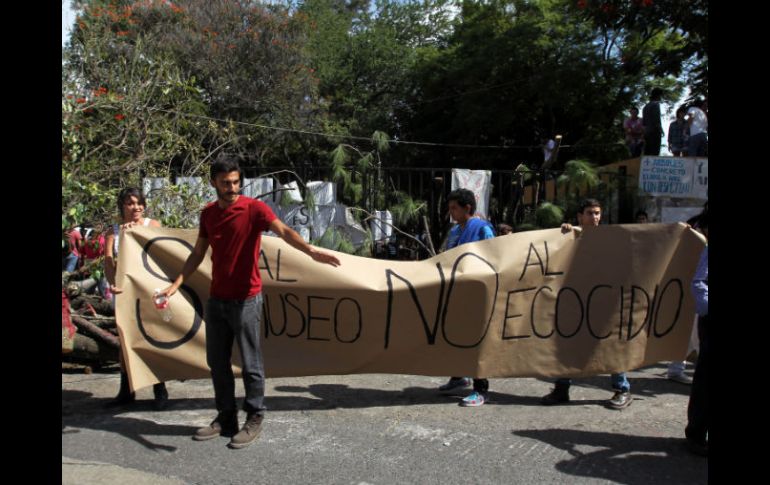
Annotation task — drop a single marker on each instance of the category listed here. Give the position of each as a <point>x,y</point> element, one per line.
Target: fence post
<point>623,208</point>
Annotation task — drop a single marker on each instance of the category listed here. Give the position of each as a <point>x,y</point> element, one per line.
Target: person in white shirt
<point>699,125</point>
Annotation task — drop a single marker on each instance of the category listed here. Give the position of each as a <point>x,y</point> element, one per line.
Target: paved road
<point>382,429</point>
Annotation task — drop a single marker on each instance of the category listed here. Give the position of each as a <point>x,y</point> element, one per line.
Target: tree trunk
<point>99,304</point>
<point>427,233</point>
<point>91,351</point>
<point>99,334</point>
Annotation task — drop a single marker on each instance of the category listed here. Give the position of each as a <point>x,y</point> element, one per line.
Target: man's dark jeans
<point>697,409</point>
<point>652,144</point>
<point>239,320</point>
<point>697,145</point>
<point>618,382</point>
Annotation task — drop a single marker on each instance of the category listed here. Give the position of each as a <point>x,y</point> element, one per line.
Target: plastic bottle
<point>162,305</point>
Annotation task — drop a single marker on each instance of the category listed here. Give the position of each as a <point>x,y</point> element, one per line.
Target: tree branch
<point>371,216</point>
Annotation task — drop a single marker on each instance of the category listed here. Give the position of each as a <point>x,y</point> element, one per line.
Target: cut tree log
<point>93,330</point>
<point>102,306</point>
<point>107,323</point>
<point>90,351</point>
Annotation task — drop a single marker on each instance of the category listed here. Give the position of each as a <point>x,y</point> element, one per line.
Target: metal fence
<point>508,203</point>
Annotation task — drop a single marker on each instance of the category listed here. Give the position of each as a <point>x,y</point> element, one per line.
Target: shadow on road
<point>80,410</point>
<point>631,460</point>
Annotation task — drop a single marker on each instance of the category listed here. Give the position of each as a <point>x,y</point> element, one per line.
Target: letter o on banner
<point>342,321</point>
<point>449,299</point>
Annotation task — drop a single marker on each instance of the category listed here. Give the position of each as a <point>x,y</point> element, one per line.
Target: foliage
<point>577,175</point>
<point>155,88</point>
<point>549,215</point>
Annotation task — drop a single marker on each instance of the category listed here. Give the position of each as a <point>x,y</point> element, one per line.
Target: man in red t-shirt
<point>233,226</point>
<point>93,247</point>
<point>75,241</point>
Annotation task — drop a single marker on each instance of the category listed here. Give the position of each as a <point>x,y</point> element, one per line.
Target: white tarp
<point>293,194</point>
<point>254,187</point>
<point>381,226</point>
<point>152,185</point>
<point>345,222</point>
<point>198,187</point>
<point>297,217</point>
<point>477,181</point>
<point>324,193</point>
<point>323,217</point>
<point>310,224</point>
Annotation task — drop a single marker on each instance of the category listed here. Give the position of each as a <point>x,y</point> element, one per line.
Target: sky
<point>67,20</point>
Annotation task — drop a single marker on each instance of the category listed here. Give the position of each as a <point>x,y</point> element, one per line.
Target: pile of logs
<point>96,341</point>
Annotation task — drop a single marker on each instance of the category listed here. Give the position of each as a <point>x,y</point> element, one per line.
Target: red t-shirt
<point>74,240</point>
<point>93,248</point>
<point>235,234</point>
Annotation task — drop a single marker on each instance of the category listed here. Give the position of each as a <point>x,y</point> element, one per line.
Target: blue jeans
<point>635,148</point>
<point>697,145</point>
<point>619,382</point>
<point>103,286</point>
<point>239,320</point>
<point>71,262</point>
<point>676,367</point>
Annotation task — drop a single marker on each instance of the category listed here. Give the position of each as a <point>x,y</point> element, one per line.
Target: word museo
<point>530,311</point>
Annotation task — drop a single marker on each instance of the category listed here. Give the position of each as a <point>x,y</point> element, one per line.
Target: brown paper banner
<point>538,303</point>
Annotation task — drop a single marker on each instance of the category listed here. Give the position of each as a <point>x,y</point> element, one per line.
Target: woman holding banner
<point>131,205</point>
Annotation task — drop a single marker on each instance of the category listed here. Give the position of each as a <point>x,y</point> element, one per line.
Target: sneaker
<point>620,400</point>
<point>455,385</point>
<point>474,400</point>
<point>682,378</point>
<point>248,433</point>
<point>225,424</point>
<point>559,395</point>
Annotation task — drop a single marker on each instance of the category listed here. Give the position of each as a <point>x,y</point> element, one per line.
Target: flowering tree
<point>146,85</point>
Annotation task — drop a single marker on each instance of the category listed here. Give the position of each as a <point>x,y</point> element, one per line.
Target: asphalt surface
<point>382,429</point>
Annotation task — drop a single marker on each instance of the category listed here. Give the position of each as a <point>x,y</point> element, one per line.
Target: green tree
<point>121,121</point>
<point>365,54</point>
<point>145,82</point>
<point>515,72</point>
<point>660,38</point>
<point>363,185</point>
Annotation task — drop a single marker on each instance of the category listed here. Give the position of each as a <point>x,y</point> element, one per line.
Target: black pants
<point>698,145</point>
<point>697,409</point>
<point>652,144</point>
<point>228,320</point>
<point>479,385</point>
